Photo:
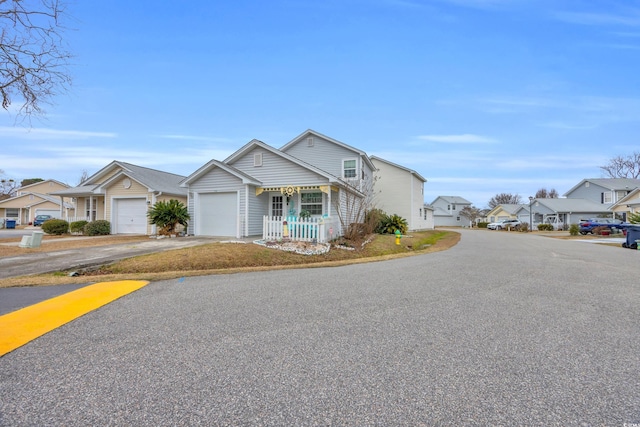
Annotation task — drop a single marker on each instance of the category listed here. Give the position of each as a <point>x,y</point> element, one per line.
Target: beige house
<point>36,199</point>
<point>400,191</point>
<point>122,193</point>
<point>627,205</point>
<point>504,211</point>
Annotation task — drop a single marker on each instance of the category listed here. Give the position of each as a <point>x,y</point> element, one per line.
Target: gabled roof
<point>246,179</point>
<point>453,199</point>
<point>311,132</point>
<point>153,179</point>
<point>41,199</point>
<point>611,184</point>
<point>257,143</point>
<point>633,198</point>
<point>411,171</point>
<point>566,205</point>
<point>26,187</point>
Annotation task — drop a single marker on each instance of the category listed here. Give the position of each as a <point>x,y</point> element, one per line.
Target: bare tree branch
<point>504,199</point>
<point>623,167</point>
<point>33,55</point>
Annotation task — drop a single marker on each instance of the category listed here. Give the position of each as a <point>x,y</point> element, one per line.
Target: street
<point>502,329</point>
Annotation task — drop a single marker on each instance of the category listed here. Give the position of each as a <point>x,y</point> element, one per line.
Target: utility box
<point>32,241</point>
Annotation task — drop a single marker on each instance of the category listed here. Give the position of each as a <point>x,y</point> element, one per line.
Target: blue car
<point>40,219</point>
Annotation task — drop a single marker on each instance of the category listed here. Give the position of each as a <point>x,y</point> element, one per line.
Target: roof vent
<point>310,141</point>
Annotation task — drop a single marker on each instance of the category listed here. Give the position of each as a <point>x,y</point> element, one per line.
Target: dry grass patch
<point>61,243</point>
<point>216,258</point>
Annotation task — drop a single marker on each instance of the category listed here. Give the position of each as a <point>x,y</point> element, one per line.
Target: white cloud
<point>49,134</point>
<point>631,18</point>
<point>195,138</point>
<point>466,138</point>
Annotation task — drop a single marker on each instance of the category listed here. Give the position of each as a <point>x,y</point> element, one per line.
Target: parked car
<point>505,223</point>
<point>587,226</point>
<point>41,218</point>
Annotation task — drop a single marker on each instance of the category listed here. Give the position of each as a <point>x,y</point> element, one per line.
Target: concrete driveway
<point>503,329</point>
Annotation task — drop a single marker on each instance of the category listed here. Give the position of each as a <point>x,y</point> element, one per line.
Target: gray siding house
<point>446,211</point>
<point>258,183</point>
<point>313,178</point>
<point>605,191</point>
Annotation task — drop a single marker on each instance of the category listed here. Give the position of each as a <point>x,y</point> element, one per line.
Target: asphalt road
<point>503,329</point>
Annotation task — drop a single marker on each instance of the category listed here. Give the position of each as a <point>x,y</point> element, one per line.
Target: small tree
<point>167,215</point>
<point>634,218</point>
<point>543,193</point>
<point>471,213</point>
<point>504,199</point>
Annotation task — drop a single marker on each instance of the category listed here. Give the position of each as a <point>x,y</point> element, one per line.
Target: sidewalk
<point>71,259</point>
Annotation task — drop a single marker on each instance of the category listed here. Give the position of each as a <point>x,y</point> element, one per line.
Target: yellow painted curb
<point>24,325</point>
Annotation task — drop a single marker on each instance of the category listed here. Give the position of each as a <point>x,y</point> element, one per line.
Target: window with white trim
<point>606,197</point>
<point>349,168</point>
<point>12,212</point>
<point>311,202</point>
<point>90,213</point>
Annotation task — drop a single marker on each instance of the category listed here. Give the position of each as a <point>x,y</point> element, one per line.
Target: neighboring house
<point>627,205</point>
<point>561,211</point>
<point>35,199</point>
<point>446,211</point>
<point>400,191</point>
<point>121,193</point>
<point>259,183</point>
<point>508,211</point>
<point>605,191</point>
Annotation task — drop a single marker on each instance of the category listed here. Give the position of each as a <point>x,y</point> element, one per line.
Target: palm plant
<point>167,215</point>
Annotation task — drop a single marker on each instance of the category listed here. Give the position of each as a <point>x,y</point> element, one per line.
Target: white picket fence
<point>300,229</point>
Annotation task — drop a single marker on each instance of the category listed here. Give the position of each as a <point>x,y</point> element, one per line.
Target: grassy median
<point>218,258</point>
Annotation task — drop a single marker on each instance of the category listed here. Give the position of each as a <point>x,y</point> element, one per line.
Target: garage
<point>217,214</point>
<point>55,213</point>
<point>129,216</point>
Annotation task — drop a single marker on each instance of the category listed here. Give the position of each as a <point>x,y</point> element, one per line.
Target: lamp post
<point>531,198</point>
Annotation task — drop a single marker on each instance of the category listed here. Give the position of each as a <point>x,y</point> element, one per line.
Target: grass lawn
<point>217,258</point>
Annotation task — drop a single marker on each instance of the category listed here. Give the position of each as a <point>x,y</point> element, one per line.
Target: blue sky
<point>478,96</point>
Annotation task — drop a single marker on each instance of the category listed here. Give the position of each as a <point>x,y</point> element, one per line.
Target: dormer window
<point>349,168</point>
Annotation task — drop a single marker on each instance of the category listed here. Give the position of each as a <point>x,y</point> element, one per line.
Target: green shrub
<point>545,227</point>
<point>77,226</point>
<point>574,229</point>
<point>391,223</point>
<point>100,227</point>
<point>167,215</point>
<point>482,224</point>
<point>634,218</point>
<point>55,226</point>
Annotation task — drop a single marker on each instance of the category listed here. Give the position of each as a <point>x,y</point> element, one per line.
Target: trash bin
<point>633,234</point>
<point>10,223</point>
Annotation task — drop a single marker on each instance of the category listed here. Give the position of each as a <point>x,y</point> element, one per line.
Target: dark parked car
<point>41,218</point>
<point>587,226</point>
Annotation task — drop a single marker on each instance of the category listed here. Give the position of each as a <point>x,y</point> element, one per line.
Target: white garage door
<point>53,212</point>
<point>130,216</point>
<point>218,214</point>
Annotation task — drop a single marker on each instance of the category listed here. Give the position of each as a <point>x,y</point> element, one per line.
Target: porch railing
<point>71,219</point>
<point>299,229</point>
